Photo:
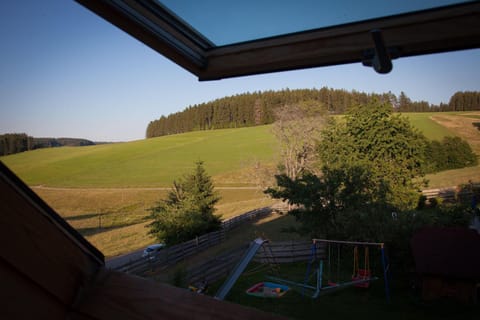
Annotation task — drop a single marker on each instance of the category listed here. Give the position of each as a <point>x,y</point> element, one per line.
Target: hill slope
<point>145,163</point>
<point>156,162</point>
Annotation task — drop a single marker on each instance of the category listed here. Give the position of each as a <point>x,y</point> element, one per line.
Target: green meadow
<point>145,163</point>
<point>431,129</point>
<point>105,191</point>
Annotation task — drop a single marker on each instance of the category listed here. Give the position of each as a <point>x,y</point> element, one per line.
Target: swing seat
<point>332,284</point>
<point>363,274</point>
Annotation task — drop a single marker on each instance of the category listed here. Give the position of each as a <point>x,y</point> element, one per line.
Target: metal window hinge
<point>380,57</point>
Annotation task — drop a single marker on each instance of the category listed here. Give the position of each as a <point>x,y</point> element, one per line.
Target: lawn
<point>351,302</point>
<point>348,303</point>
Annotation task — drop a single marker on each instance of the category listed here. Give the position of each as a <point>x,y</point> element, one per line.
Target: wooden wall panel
<point>22,299</point>
<point>38,248</point>
<point>120,296</point>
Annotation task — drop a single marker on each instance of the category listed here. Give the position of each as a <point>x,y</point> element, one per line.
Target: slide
<point>238,270</point>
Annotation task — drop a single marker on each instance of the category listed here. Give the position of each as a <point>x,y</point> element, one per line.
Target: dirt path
<point>42,187</point>
<point>463,126</point>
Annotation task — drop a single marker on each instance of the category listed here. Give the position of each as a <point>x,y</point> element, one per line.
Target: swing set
<point>360,277</point>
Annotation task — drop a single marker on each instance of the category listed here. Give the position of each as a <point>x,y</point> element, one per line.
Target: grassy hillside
<point>229,156</point>
<point>145,163</point>
<point>430,128</point>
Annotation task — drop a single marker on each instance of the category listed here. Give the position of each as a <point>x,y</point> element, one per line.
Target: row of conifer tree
<point>258,108</point>
<point>11,143</point>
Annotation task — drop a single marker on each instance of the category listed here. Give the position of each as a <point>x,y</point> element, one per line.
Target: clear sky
<point>65,72</point>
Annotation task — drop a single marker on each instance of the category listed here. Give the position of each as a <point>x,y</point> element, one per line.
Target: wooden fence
<point>282,252</point>
<point>172,255</point>
<point>271,254</point>
<point>288,251</point>
<point>216,268</point>
<point>452,194</point>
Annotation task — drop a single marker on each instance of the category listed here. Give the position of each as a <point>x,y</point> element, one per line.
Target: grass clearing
<point>116,241</point>
<point>114,219</point>
<point>463,127</point>
<point>452,178</point>
<point>84,207</point>
<point>429,127</point>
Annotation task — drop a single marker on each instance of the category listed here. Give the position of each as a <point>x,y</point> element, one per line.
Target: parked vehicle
<point>151,251</point>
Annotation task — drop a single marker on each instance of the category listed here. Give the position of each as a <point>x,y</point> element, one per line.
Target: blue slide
<point>232,278</point>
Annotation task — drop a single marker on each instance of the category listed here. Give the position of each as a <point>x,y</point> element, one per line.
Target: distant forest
<point>11,143</point>
<point>257,108</point>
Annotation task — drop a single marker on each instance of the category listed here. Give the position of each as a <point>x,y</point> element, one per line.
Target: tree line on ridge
<point>258,108</point>
<point>11,143</point>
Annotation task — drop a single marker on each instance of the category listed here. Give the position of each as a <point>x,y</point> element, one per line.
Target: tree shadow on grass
<point>270,227</point>
<point>84,216</point>
<point>89,231</point>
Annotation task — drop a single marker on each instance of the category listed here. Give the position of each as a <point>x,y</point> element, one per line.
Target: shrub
<point>450,153</point>
<point>188,210</point>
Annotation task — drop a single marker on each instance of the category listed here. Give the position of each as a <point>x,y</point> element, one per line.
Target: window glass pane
<point>226,22</point>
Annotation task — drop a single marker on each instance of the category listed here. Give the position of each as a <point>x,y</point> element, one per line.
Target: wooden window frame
<point>444,29</point>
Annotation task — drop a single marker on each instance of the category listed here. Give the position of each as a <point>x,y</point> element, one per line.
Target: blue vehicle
<point>151,251</point>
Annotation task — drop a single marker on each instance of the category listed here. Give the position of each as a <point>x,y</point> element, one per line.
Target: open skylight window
<point>229,22</point>
<point>216,39</point>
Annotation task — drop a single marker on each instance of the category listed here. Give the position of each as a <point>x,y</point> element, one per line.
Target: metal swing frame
<point>319,289</point>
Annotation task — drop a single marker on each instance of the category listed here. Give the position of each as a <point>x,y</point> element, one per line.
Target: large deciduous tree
<point>337,204</point>
<point>370,160</point>
<point>384,144</point>
<point>188,210</point>
<point>298,129</point>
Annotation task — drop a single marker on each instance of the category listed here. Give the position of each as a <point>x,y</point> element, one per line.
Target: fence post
<point>220,236</point>
<point>183,251</point>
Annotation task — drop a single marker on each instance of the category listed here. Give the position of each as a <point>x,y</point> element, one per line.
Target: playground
<point>346,282</point>
<point>350,303</point>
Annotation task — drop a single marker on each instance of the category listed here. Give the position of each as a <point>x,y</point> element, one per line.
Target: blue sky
<point>65,72</point>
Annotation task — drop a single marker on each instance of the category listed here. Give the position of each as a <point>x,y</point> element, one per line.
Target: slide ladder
<point>238,270</point>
